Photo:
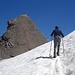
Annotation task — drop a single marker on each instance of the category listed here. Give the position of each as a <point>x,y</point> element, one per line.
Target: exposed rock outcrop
<point>22,35</point>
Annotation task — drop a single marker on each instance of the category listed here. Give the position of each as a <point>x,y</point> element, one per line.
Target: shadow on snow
<point>44,57</point>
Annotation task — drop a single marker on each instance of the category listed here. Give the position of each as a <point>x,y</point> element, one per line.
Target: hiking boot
<point>54,57</point>
<point>57,54</point>
<point>54,52</point>
<point>58,50</point>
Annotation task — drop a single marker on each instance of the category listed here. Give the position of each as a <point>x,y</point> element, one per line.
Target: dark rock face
<point>21,36</point>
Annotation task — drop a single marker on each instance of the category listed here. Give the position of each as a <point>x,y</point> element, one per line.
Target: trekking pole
<point>50,48</point>
<point>63,45</point>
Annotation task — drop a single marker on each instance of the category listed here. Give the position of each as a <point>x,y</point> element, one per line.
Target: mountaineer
<point>57,33</point>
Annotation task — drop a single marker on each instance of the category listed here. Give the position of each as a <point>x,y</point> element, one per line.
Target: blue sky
<point>45,13</point>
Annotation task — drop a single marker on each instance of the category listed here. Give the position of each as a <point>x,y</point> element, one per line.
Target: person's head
<point>56,27</point>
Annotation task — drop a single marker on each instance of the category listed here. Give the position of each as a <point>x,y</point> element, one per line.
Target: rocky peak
<point>22,35</point>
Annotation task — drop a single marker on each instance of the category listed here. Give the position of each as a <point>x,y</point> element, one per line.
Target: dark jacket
<point>57,32</point>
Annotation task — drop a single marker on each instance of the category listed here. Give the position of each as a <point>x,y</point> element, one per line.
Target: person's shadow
<point>44,57</point>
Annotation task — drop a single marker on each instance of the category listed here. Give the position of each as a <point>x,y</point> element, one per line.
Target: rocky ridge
<point>21,36</point>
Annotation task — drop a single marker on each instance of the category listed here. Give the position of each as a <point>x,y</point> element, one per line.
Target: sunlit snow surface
<point>38,62</point>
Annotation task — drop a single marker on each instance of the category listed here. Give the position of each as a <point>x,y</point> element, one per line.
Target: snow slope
<point>38,62</point>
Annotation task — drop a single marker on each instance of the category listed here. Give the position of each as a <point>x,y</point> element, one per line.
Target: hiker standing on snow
<point>57,39</point>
